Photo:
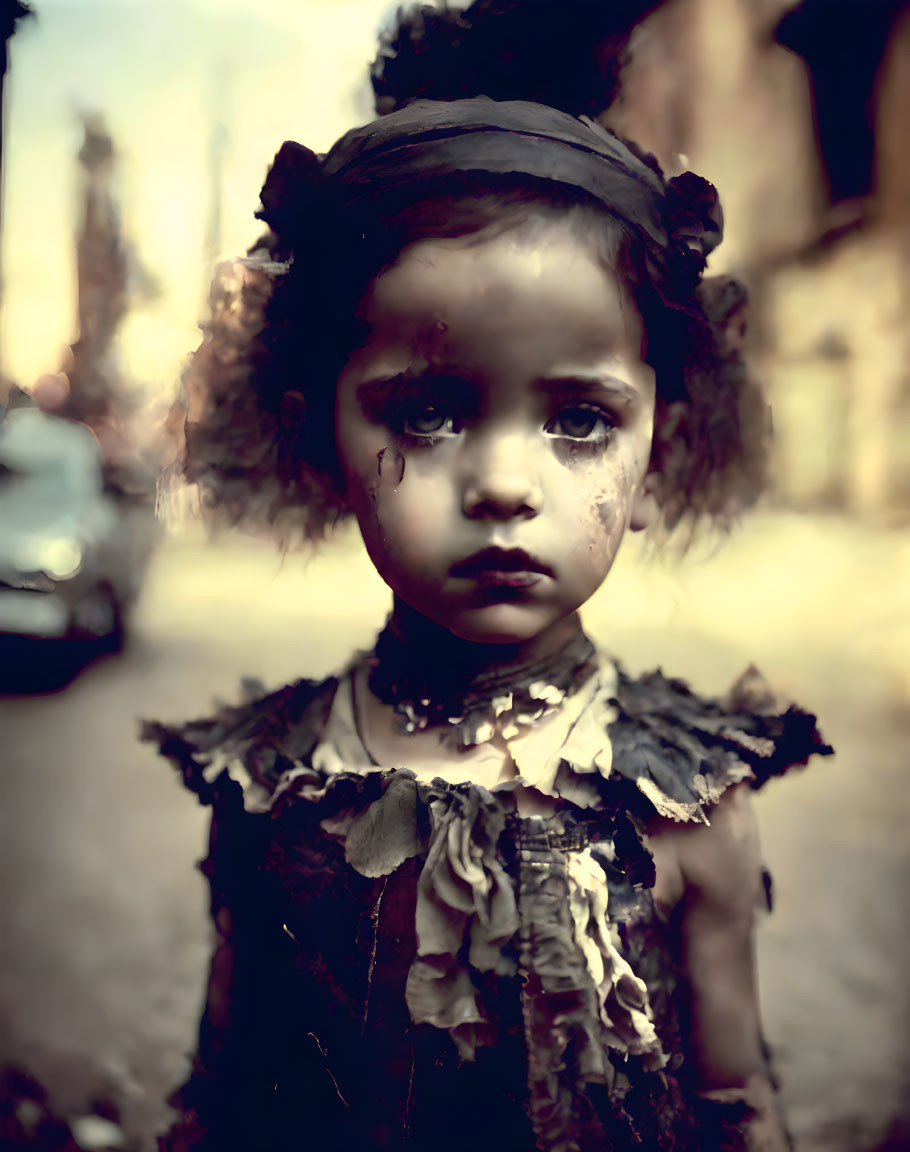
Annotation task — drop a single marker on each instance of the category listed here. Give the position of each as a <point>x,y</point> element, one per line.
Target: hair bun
<point>565,53</point>
<point>293,193</point>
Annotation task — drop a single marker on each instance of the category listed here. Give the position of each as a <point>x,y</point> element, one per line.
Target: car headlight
<point>59,556</point>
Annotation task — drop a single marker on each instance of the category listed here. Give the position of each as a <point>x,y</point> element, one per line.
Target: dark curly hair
<point>563,53</point>
<point>259,428</point>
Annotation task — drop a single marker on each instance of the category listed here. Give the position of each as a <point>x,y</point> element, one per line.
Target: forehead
<point>510,299</point>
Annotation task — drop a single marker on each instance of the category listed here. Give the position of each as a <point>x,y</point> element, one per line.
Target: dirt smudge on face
<point>393,470</point>
<point>609,507</point>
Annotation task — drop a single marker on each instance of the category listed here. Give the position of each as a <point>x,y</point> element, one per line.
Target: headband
<point>679,220</point>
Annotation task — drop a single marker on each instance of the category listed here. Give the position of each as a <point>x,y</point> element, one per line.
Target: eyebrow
<point>620,391</point>
<point>379,385</point>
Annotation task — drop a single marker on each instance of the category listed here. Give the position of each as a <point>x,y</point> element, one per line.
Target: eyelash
<point>599,424</point>
<point>450,423</point>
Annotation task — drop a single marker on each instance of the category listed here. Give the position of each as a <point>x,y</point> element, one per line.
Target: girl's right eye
<point>428,420</point>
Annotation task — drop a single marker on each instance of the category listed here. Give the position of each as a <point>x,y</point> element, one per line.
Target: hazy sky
<point>163,75</point>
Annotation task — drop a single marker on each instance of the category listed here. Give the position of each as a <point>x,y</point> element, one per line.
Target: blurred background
<point>135,140</point>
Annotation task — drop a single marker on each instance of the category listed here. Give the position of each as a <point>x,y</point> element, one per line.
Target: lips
<point>501,567</point>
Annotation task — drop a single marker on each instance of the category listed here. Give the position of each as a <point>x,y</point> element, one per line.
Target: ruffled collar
<point>647,744</point>
<point>561,752</point>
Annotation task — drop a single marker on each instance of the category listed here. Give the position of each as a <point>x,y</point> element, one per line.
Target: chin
<point>500,624</point>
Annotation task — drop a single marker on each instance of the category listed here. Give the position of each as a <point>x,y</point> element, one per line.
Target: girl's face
<point>494,430</point>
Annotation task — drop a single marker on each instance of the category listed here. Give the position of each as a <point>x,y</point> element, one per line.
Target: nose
<point>501,480</point>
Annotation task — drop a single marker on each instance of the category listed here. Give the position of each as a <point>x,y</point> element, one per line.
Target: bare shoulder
<point>721,862</point>
<point>717,864</point>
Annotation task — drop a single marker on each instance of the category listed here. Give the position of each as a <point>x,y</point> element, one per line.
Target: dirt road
<point>104,945</point>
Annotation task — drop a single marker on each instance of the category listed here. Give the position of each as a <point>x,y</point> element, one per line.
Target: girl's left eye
<point>581,422</point>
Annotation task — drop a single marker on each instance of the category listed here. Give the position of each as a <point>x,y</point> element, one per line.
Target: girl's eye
<point>581,422</point>
<point>428,421</point>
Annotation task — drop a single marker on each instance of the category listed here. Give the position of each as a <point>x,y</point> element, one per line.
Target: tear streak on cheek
<point>613,504</point>
<point>611,507</point>
<point>608,512</point>
<point>576,454</point>
<point>390,469</point>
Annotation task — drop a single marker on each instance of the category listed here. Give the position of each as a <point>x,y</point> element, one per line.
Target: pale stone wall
<point>708,88</point>
<point>836,366</point>
<point>893,155</point>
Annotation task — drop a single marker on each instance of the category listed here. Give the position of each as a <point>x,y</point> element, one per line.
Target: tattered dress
<point>408,963</point>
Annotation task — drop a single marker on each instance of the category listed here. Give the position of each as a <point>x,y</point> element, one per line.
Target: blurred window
<point>843,43</point>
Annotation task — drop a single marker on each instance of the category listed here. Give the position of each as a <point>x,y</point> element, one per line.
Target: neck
<point>432,677</point>
<point>430,645</point>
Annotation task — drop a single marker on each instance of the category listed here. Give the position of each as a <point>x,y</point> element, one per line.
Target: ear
<point>645,509</point>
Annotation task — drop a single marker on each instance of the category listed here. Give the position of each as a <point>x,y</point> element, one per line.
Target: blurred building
<point>96,389</point>
<point>798,113</point>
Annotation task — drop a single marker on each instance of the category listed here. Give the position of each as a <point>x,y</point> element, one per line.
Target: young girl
<point>482,890</point>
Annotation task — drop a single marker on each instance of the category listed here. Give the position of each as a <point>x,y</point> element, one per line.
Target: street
<point>104,948</point>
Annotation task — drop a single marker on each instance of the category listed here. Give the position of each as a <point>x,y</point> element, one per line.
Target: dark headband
<point>679,220</point>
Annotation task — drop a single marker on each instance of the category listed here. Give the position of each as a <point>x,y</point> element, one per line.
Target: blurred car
<point>73,554</point>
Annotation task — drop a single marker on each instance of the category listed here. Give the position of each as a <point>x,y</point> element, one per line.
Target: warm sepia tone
<point>103,965</point>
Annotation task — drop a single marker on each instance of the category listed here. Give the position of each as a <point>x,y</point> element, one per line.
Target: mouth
<point>501,568</point>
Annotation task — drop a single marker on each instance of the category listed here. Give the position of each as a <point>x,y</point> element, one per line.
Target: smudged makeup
<point>494,430</point>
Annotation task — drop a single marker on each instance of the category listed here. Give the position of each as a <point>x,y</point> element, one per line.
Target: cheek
<point>614,502</point>
<point>402,510</point>
<point>598,504</point>
<point>595,516</point>
<point>616,499</point>
<point>370,461</point>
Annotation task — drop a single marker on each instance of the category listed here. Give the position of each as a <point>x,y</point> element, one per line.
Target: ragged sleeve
<point>231,761</point>
<point>682,751</point>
